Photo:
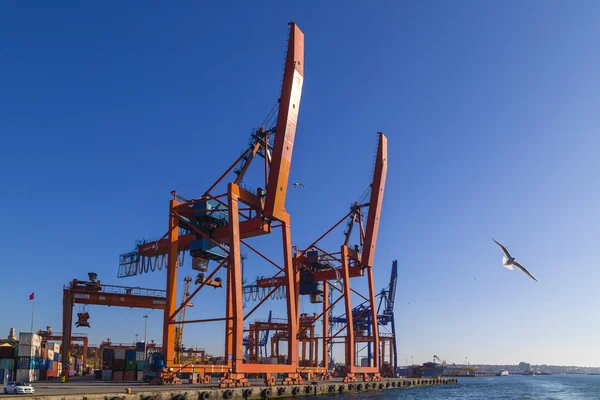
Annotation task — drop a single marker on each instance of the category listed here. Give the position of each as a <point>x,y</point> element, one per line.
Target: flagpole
<point>32,313</point>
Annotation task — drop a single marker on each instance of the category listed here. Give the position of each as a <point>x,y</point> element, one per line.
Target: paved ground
<point>88,385</point>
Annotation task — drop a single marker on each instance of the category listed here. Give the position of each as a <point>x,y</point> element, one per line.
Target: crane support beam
<point>377,189</point>
<point>285,130</point>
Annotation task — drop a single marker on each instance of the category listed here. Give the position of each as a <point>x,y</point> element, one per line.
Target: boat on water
<point>502,372</point>
<point>528,373</point>
<point>545,373</point>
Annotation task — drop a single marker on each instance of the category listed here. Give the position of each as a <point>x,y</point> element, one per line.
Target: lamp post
<point>145,326</point>
<point>136,337</point>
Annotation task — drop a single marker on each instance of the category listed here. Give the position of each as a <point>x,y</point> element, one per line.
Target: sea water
<point>517,387</point>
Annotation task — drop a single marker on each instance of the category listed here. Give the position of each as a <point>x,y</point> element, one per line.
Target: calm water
<point>558,387</point>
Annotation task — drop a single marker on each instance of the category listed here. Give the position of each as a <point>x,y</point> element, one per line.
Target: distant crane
<point>262,342</point>
<point>385,316</point>
<point>181,318</point>
<point>439,361</point>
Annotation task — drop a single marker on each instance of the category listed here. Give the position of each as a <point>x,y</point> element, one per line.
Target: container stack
<point>29,358</point>
<point>7,363</point>
<point>107,364</point>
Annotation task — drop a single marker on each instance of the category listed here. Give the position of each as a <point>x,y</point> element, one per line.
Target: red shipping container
<point>44,354</point>
<point>118,376</point>
<point>130,376</point>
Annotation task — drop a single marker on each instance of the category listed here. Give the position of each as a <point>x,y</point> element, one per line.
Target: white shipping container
<point>140,376</point>
<point>119,354</point>
<point>30,339</point>
<point>50,355</point>
<point>140,356</point>
<point>28,375</point>
<point>29,351</point>
<point>55,347</point>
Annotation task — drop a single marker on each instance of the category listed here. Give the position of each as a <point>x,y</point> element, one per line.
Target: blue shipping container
<point>130,354</point>
<point>140,346</point>
<point>56,357</point>
<point>141,365</point>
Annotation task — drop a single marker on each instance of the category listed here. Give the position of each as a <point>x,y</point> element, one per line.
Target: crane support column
<point>173,260</point>
<point>235,271</point>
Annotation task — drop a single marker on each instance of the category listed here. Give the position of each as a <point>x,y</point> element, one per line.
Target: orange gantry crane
<point>225,218</point>
<point>94,292</point>
<point>317,268</point>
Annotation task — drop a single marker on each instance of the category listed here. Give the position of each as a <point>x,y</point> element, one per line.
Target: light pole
<point>145,326</point>
<point>136,337</point>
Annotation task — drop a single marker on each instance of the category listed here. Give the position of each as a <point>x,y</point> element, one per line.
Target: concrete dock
<point>96,390</point>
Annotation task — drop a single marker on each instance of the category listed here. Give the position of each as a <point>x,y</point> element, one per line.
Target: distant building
<point>523,366</point>
<point>12,334</point>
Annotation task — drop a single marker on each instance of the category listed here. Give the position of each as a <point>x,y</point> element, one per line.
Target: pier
<point>93,390</point>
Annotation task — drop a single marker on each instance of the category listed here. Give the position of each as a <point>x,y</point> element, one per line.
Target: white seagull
<point>509,261</point>
<point>297,184</point>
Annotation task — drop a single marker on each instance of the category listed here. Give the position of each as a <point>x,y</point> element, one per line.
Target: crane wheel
<point>367,386</point>
<point>227,394</point>
<point>280,391</point>
<point>295,390</point>
<point>309,389</point>
<point>203,395</point>
<point>341,388</point>
<point>351,386</point>
<point>359,387</point>
<point>387,385</point>
<point>331,388</point>
<point>266,393</point>
<point>247,392</point>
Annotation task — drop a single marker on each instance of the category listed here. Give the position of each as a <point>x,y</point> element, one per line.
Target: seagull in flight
<point>509,261</point>
<point>297,184</point>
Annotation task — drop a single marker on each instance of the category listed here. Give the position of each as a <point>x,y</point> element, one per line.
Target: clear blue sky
<point>490,109</point>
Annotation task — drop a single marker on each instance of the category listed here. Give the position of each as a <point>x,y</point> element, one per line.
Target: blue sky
<point>490,109</point>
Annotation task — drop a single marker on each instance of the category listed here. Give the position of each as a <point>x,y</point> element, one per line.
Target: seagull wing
<point>506,253</point>
<point>516,264</point>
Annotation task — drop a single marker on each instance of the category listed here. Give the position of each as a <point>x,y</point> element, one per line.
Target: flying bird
<point>509,261</point>
<point>297,184</point>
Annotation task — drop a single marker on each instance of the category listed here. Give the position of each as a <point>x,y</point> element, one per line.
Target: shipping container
<point>56,357</point>
<point>141,365</point>
<point>130,365</point>
<point>107,364</point>
<point>119,354</point>
<point>7,363</point>
<point>107,375</point>
<point>130,354</point>
<point>140,376</point>
<point>43,375</point>
<point>130,376</point>
<point>50,355</point>
<point>7,351</point>
<point>140,356</point>
<point>55,347</point>
<point>44,353</point>
<point>30,339</point>
<point>29,351</point>
<point>5,375</point>
<point>140,346</point>
<point>28,375</point>
<point>117,376</point>
<point>119,365</point>
<point>108,354</point>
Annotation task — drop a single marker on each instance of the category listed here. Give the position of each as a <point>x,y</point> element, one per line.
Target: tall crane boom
<point>391,296</point>
<point>377,189</point>
<point>285,130</point>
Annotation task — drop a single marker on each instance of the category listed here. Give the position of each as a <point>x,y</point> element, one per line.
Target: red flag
<point>31,296</point>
